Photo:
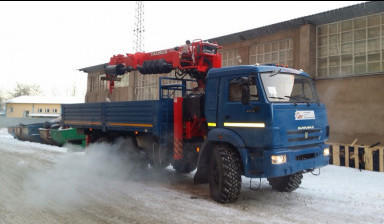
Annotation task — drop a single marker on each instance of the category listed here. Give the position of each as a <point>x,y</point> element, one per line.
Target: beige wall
<point>20,108</point>
<point>355,108</point>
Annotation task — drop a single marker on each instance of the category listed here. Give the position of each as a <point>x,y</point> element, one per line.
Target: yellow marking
<point>211,124</point>
<point>83,122</point>
<point>245,125</point>
<point>131,125</point>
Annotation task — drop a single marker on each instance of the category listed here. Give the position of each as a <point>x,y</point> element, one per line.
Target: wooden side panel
<point>336,154</point>
<point>368,158</point>
<point>382,159</point>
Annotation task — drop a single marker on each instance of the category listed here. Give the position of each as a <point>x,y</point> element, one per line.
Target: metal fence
<point>358,156</point>
<point>9,121</point>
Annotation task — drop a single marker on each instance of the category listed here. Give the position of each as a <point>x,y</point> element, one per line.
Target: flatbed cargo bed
<point>142,116</point>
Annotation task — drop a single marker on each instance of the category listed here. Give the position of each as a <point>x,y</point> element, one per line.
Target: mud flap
<point>201,175</point>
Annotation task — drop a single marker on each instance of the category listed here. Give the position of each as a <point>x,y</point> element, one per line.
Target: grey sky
<point>46,42</point>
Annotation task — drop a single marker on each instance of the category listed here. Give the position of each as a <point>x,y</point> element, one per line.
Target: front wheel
<point>225,174</point>
<point>286,183</point>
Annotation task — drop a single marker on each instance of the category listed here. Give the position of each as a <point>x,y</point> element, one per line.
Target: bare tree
<point>25,89</point>
<point>71,90</point>
<point>3,98</point>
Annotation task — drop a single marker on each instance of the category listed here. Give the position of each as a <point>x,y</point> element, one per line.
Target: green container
<point>69,135</point>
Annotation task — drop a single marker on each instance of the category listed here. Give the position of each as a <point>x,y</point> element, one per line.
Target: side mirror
<point>245,94</point>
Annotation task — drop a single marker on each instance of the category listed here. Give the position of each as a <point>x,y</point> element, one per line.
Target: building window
<point>40,110</point>
<point>147,86</point>
<point>11,109</point>
<point>46,110</point>
<point>276,52</point>
<point>230,58</point>
<point>26,113</point>
<point>54,110</point>
<point>124,82</point>
<point>351,47</point>
<point>96,84</point>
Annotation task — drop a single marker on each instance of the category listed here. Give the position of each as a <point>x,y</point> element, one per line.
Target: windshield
<point>283,87</point>
<point>209,49</point>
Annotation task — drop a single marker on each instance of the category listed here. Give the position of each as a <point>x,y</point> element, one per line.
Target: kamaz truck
<point>257,121</point>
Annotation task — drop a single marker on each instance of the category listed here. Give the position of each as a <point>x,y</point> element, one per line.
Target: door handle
<point>256,109</point>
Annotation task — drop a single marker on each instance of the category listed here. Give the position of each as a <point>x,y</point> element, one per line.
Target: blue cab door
<point>247,121</point>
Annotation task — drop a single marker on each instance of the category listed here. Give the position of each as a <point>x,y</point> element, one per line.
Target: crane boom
<point>193,59</point>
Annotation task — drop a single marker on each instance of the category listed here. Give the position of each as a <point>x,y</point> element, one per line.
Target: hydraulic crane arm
<point>193,59</point>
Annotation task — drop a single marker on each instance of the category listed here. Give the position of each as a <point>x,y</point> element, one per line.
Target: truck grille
<point>298,147</point>
<point>307,156</point>
<point>303,135</point>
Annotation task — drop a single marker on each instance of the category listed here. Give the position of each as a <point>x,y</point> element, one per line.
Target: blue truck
<point>259,121</point>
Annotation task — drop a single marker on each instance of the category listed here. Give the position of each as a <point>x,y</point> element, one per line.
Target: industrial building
<point>342,49</point>
<point>37,106</point>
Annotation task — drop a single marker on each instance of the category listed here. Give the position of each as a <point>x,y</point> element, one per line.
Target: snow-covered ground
<point>47,184</point>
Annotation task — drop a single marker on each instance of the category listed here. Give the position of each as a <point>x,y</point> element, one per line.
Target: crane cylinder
<point>155,67</point>
<point>114,70</point>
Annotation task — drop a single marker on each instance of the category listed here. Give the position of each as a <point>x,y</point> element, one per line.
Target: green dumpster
<point>69,135</point>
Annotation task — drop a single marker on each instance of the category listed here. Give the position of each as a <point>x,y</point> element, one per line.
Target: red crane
<point>193,59</point>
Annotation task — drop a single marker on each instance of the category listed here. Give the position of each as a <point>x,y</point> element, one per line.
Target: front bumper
<point>297,160</point>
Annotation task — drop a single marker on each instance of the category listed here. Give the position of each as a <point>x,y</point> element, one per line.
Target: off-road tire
<point>286,183</point>
<point>224,174</point>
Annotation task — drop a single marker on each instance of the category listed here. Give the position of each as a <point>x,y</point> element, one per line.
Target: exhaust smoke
<point>101,166</point>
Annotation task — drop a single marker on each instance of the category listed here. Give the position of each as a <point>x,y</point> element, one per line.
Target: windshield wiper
<point>307,100</point>
<point>275,72</point>
<point>276,97</point>
<point>281,98</point>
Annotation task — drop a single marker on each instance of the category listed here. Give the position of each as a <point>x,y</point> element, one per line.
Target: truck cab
<point>267,116</point>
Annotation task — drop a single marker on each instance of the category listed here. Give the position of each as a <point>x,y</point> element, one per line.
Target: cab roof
<point>220,72</point>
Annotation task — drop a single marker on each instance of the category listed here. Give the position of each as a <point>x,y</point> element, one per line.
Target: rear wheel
<point>286,183</point>
<point>225,174</point>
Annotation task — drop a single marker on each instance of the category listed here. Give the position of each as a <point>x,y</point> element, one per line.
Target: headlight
<point>280,159</point>
<point>326,152</point>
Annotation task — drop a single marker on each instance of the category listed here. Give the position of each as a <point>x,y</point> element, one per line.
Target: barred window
<point>96,84</point>
<point>230,58</point>
<point>147,86</point>
<point>351,47</point>
<point>124,82</point>
<point>280,52</point>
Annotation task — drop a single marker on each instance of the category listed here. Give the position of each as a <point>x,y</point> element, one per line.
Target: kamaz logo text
<point>305,127</point>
